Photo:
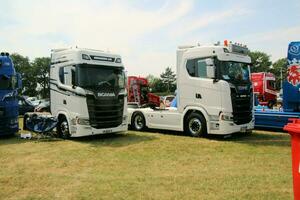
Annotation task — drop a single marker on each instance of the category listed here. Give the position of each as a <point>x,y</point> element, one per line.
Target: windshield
<point>234,71</point>
<point>97,76</point>
<point>271,85</point>
<point>8,83</point>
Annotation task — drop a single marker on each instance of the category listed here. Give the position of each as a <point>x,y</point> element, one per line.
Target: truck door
<point>199,90</point>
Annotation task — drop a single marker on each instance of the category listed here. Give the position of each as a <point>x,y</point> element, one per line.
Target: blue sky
<point>146,32</point>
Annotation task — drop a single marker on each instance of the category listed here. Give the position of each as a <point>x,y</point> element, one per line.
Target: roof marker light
<point>226,43</point>
<point>85,57</point>
<point>118,60</point>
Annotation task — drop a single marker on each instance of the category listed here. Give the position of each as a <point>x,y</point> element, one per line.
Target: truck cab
<point>87,92</point>
<point>214,93</point>
<point>10,81</point>
<point>264,88</point>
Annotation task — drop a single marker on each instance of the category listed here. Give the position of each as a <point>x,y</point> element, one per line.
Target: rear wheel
<point>138,121</point>
<point>63,128</point>
<point>24,122</point>
<point>195,125</point>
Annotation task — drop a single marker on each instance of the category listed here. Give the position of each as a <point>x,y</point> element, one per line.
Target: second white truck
<point>214,93</point>
<point>87,92</point>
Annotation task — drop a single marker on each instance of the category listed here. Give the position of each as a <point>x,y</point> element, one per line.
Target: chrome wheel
<point>195,126</point>
<point>139,122</point>
<point>63,129</point>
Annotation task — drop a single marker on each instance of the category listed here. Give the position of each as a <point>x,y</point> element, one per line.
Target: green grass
<point>147,166</point>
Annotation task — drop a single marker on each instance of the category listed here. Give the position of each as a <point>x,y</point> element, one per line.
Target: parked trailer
<point>273,119</point>
<point>139,92</point>
<point>265,118</point>
<point>87,92</point>
<point>10,82</point>
<point>214,93</point>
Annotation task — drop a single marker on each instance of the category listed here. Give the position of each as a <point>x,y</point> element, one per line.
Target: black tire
<point>195,125</point>
<point>24,122</point>
<point>138,121</point>
<point>63,128</point>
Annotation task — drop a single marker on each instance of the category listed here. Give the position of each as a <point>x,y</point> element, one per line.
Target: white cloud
<point>274,43</point>
<point>113,25</point>
<point>220,17</point>
<point>109,26</point>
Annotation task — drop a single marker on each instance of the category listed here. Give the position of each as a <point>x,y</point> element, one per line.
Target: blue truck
<point>267,118</point>
<point>10,81</point>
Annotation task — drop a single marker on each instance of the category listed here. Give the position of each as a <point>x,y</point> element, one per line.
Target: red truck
<point>264,88</point>
<point>139,93</point>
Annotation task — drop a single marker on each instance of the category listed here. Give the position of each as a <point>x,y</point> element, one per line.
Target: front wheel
<point>63,128</point>
<point>138,121</point>
<point>24,122</point>
<point>195,125</point>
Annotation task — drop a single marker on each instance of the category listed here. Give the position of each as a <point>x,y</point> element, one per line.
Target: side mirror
<point>80,91</point>
<point>210,70</point>
<point>19,81</point>
<point>209,61</point>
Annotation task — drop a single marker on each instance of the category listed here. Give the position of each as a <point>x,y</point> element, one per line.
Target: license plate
<point>243,129</point>
<point>107,131</point>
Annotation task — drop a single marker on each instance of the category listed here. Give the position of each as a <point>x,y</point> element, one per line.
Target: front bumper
<point>228,127</point>
<point>86,130</point>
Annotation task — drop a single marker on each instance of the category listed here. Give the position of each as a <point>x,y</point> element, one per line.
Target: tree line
<point>35,74</point>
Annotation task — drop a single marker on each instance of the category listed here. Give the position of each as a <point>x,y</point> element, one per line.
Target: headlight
<point>226,117</point>
<point>82,121</point>
<point>13,121</point>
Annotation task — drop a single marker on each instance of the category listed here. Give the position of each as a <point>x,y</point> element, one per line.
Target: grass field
<point>147,166</point>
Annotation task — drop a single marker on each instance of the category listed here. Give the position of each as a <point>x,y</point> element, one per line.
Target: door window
<point>197,68</point>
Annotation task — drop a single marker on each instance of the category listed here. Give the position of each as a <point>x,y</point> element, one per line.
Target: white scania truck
<point>87,92</point>
<point>214,93</point>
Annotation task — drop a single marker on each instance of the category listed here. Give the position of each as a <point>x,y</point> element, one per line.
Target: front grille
<point>105,112</point>
<point>241,106</point>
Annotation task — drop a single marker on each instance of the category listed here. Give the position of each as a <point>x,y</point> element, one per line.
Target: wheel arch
<point>63,115</point>
<point>198,110</point>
